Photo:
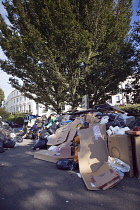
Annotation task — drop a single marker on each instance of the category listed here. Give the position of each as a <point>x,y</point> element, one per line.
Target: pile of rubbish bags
<point>9,137</point>
<point>95,142</point>
<point>85,140</point>
<point>116,121</point>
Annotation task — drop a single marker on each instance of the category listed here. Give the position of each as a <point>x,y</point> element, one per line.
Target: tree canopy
<point>48,41</point>
<point>134,86</point>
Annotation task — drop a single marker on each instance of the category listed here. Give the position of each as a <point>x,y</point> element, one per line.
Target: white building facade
<point>122,98</point>
<point>17,102</point>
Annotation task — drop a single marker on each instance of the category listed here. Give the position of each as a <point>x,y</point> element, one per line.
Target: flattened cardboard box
<point>120,147</point>
<point>53,156</point>
<point>60,136</point>
<point>47,155</point>
<point>64,134</point>
<point>65,152</point>
<point>105,177</point>
<point>93,149</point>
<point>93,152</point>
<point>72,132</point>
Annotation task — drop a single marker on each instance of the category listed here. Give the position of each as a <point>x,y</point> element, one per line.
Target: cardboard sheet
<point>65,152</point>
<point>93,148</point>
<point>64,134</point>
<point>47,155</point>
<point>92,157</point>
<point>120,147</point>
<point>105,177</point>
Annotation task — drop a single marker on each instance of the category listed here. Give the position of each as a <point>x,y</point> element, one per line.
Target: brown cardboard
<point>77,139</point>
<point>73,129</point>
<point>103,178</point>
<point>93,150</point>
<point>47,155</point>
<point>60,136</point>
<point>136,155</point>
<point>120,147</point>
<point>65,152</point>
<point>64,134</point>
<point>76,150</point>
<point>91,119</point>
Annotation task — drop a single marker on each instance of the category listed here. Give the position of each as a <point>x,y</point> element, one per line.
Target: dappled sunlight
<point>36,184</point>
<point>43,196</point>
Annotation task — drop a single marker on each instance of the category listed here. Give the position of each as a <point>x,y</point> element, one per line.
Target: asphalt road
<point>31,184</point>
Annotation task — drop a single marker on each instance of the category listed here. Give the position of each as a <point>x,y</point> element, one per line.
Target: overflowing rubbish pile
<point>9,137</point>
<point>102,143</point>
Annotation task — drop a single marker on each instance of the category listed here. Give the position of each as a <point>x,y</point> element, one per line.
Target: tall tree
<point>134,88</point>
<point>48,41</point>
<point>113,47</point>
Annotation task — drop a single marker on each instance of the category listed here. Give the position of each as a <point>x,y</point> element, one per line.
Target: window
<point>117,99</point>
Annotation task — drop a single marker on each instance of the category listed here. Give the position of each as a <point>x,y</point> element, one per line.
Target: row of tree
<point>62,50</point>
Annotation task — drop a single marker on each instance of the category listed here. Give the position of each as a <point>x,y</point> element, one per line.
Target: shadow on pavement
<point>30,184</point>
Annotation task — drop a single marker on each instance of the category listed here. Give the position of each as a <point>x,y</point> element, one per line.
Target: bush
<point>132,109</point>
<point>4,114</point>
<point>16,118</point>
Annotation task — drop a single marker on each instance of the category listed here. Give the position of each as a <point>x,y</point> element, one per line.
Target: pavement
<point>27,183</point>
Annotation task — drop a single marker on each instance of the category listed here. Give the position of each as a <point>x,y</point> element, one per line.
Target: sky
<point>4,78</point>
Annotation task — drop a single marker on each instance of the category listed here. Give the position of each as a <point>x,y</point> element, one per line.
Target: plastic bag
<point>2,137</point>
<point>44,134</point>
<point>54,148</point>
<point>67,164</point>
<point>104,120</point>
<point>116,130</point>
<point>9,143</point>
<point>118,165</point>
<point>19,139</point>
<point>52,129</point>
<point>1,146</point>
<point>40,144</point>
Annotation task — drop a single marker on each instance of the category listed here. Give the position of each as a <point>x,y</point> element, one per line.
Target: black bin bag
<point>40,144</point>
<point>67,164</point>
<point>1,146</point>
<point>9,143</point>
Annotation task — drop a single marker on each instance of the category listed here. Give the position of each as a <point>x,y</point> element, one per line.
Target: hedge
<point>131,109</point>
